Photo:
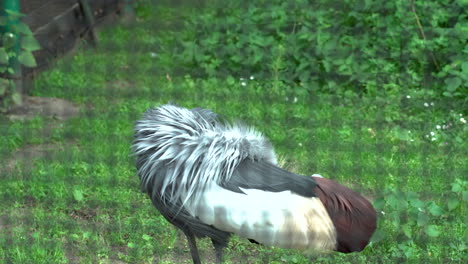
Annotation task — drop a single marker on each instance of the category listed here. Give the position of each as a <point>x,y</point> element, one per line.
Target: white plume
<point>186,149</point>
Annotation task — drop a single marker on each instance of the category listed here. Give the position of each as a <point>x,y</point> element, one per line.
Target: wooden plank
<point>44,11</point>
<point>57,37</point>
<point>59,24</point>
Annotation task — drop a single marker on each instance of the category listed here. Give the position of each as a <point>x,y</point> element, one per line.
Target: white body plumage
<point>282,219</point>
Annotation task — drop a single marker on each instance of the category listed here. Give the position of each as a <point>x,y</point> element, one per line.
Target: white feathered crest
<point>190,148</point>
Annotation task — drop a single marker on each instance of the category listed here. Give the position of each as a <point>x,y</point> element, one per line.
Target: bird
<point>213,178</point>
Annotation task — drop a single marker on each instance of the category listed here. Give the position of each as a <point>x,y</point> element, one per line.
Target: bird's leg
<point>193,246</point>
<point>218,250</point>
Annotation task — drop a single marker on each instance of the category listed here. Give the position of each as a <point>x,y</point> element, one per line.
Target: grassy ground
<point>78,201</point>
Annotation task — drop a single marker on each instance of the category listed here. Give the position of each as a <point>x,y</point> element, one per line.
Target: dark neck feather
<point>353,215</point>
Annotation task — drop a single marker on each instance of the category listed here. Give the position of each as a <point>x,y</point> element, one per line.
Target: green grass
<point>80,202</point>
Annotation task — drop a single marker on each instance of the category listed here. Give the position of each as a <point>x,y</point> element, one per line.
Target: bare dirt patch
<point>181,252</point>
<point>55,108</point>
<point>25,156</point>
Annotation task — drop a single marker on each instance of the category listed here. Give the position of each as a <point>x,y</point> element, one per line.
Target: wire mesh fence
<point>68,186</point>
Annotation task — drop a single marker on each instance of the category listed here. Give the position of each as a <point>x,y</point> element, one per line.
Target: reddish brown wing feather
<point>353,215</point>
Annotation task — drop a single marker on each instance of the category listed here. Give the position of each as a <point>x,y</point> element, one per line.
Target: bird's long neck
<point>353,216</point>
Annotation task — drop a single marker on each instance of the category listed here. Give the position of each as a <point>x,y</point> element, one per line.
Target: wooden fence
<point>59,25</point>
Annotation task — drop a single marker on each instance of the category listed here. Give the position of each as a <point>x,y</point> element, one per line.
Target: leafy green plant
<point>16,44</point>
<point>418,219</point>
<point>362,45</point>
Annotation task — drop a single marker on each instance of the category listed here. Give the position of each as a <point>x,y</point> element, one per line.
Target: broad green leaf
<point>411,195</point>
<point>131,245</point>
<point>146,237</point>
<point>2,90</point>
<point>447,94</point>
<point>452,203</point>
<point>463,2</point>
<point>16,97</point>
<point>78,195</point>
<point>423,219</point>
<point>9,40</point>
<point>230,80</point>
<point>14,14</point>
<point>86,234</point>
<point>407,230</point>
<point>453,83</point>
<point>29,43</point>
<point>393,201</point>
<point>22,28</point>
<point>457,187</point>
<point>435,210</point>
<point>378,236</point>
<point>464,67</point>
<point>3,56</point>
<point>432,230</point>
<point>27,59</point>
<point>416,203</point>
<point>379,203</point>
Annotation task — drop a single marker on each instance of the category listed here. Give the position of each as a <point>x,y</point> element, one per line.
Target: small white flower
<point>409,131</point>
<point>427,136</point>
<point>243,83</point>
<point>241,79</point>
<point>426,104</point>
<point>251,78</point>
<point>382,212</point>
<point>460,114</point>
<point>432,104</point>
<point>153,54</point>
<point>438,127</point>
<point>463,120</point>
<point>411,140</point>
<point>300,144</point>
<point>433,139</point>
<point>295,99</point>
<point>432,133</point>
<point>408,96</point>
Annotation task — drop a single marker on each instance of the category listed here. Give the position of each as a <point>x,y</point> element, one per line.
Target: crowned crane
<point>211,178</point>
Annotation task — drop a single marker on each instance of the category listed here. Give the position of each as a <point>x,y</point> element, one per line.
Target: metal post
<point>89,20</point>
<point>128,9</point>
<point>128,13</point>
<point>14,6</point>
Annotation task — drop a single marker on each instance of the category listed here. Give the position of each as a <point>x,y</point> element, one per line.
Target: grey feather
<point>268,177</point>
<point>179,151</point>
<point>197,148</point>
